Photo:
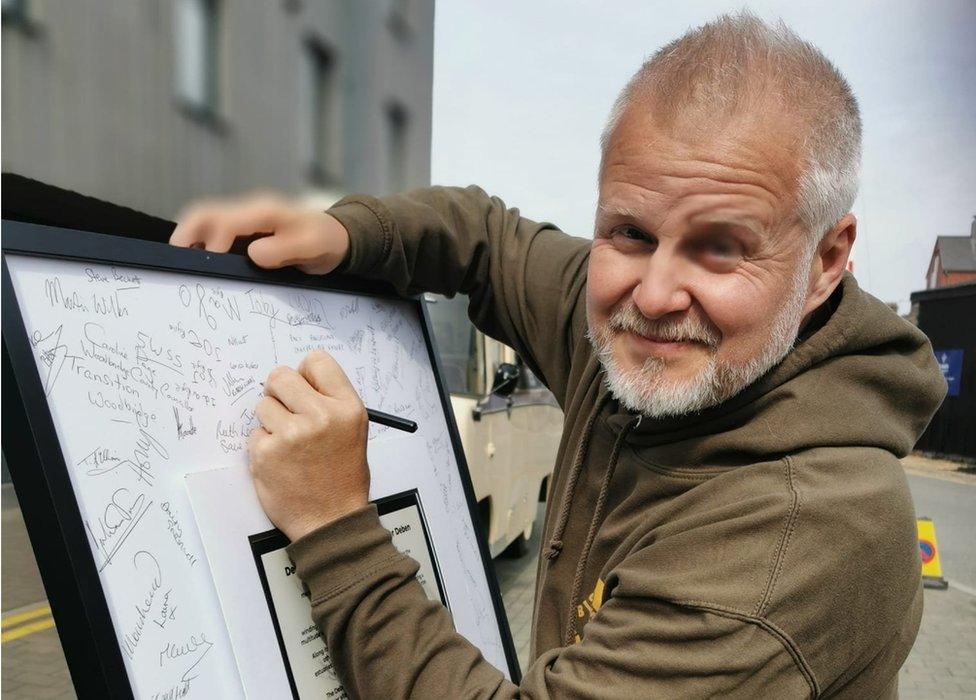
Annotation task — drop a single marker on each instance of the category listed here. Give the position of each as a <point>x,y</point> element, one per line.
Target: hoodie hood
<point>864,377</point>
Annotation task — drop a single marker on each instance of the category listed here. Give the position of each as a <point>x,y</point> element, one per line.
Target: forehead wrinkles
<point>658,170</point>
<point>761,155</point>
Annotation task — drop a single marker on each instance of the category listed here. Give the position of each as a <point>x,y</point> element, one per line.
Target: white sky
<point>522,89</point>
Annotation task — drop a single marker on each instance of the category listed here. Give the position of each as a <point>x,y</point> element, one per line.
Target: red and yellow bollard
<point>928,547</point>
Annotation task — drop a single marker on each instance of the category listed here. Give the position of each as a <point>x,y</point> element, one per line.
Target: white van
<point>509,424</point>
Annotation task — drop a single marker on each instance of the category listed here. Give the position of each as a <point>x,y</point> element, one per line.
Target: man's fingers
<point>220,239</point>
<point>257,445</point>
<point>326,376</point>
<point>272,414</point>
<point>193,226</point>
<point>217,225</point>
<point>292,390</point>
<point>257,214</point>
<point>288,247</point>
<point>285,248</point>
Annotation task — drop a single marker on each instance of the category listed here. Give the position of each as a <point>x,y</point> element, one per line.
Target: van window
<point>459,344</point>
<point>527,379</point>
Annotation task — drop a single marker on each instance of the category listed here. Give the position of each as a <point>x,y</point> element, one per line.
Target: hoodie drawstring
<point>556,541</point>
<point>601,502</point>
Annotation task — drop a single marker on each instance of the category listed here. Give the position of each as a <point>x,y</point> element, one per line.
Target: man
<point>729,516</point>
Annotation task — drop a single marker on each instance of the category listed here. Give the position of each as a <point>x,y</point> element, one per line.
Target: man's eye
<point>630,235</point>
<point>723,249</point>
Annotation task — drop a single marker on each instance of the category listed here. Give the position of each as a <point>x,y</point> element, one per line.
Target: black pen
<point>387,419</point>
<point>391,421</point>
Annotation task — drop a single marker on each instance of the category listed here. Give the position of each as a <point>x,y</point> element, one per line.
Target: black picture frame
<point>37,464</point>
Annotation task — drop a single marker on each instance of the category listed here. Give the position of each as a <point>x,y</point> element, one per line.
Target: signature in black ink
<point>183,430</point>
<point>147,350</point>
<point>262,307</point>
<point>356,341</point>
<point>236,386</point>
<point>126,278</point>
<point>181,690</point>
<point>121,402</point>
<point>56,296</point>
<point>109,305</point>
<point>141,460</point>
<point>116,523</point>
<point>167,611</point>
<point>95,276</point>
<point>311,312</point>
<point>130,640</point>
<point>186,297</point>
<point>185,651</point>
<point>349,309</point>
<point>98,348</point>
<point>99,457</point>
<point>176,530</point>
<point>53,354</point>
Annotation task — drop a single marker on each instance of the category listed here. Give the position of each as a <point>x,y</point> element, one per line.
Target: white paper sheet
<point>266,606</point>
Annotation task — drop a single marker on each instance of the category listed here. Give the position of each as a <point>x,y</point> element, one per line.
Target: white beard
<point>648,391</point>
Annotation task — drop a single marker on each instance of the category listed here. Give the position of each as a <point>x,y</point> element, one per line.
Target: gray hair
<point>738,62</point>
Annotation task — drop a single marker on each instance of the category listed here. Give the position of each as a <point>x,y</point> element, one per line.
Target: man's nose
<point>662,287</point>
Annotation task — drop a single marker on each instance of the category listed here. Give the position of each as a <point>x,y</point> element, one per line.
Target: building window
<point>324,110</point>
<point>397,123</point>
<point>197,55</point>
<point>14,11</point>
<point>398,18</point>
<point>527,380</point>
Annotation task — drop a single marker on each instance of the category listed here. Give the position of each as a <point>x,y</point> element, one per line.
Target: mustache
<point>689,329</point>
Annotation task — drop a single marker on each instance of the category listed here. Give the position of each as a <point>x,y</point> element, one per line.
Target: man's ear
<point>830,261</point>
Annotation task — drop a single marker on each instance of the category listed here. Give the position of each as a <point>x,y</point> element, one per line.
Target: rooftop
<point>958,253</point>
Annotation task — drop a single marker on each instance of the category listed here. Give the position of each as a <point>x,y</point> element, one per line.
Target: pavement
<point>32,663</point>
<point>516,579</point>
<point>942,664</point>
<point>943,661</point>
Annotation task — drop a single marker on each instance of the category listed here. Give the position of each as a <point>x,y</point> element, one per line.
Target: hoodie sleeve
<point>387,640</point>
<point>524,279</point>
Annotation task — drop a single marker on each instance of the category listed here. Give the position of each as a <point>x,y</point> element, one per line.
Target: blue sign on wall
<point>950,362</point>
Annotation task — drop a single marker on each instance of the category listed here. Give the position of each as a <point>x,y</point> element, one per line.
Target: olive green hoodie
<point>765,547</point>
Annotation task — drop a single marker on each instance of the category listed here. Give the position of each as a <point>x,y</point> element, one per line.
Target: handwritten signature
<point>186,650</point>
<point>183,430</point>
<point>116,523</point>
<point>53,355</point>
<point>131,639</point>
<point>140,461</point>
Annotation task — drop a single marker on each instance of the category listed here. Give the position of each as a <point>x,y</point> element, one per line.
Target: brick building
<point>953,260</point>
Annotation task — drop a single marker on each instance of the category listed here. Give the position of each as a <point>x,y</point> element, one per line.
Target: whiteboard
<point>152,374</point>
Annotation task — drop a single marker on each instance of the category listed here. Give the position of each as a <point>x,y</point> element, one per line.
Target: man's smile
<point>658,346</point>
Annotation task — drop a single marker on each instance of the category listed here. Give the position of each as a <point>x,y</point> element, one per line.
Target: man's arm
<point>388,640</point>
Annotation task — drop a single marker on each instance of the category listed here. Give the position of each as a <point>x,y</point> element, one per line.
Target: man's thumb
<point>270,251</point>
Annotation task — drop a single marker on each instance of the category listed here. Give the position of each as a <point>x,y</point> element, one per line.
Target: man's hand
<point>312,240</point>
<point>308,456</point>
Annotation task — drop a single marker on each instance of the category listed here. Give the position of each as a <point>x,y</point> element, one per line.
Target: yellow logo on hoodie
<point>589,606</point>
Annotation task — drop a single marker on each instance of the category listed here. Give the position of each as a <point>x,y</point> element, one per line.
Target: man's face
<point>698,272</point>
